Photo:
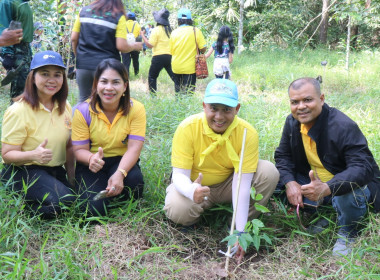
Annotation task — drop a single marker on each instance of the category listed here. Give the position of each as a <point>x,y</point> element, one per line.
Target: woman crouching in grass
<point>36,138</point>
<point>108,135</point>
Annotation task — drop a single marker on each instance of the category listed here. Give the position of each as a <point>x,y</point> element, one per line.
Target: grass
<point>136,241</point>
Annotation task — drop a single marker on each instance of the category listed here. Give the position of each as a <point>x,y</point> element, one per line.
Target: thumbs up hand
<point>201,193</point>
<point>316,189</point>
<point>43,155</point>
<point>96,161</point>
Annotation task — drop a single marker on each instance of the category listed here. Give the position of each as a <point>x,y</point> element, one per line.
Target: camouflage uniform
<point>18,10</point>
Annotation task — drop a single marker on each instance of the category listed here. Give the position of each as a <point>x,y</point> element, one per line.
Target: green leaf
<point>266,238</point>
<point>232,241</point>
<point>243,242</point>
<point>261,208</point>
<point>257,223</point>
<point>253,193</point>
<point>228,238</point>
<point>259,196</point>
<point>256,242</point>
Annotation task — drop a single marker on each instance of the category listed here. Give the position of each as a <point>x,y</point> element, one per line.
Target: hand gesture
<point>239,253</point>
<point>96,161</point>
<point>11,37</point>
<point>142,32</point>
<point>43,155</point>
<point>316,189</point>
<point>201,193</point>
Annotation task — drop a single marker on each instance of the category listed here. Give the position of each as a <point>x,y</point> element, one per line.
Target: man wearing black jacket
<point>323,156</point>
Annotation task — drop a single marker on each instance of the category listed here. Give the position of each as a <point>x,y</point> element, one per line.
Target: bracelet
<point>89,159</point>
<point>123,171</point>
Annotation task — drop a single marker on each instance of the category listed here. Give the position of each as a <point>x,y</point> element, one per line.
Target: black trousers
<point>92,183</point>
<point>48,189</point>
<point>134,56</point>
<point>158,63</point>
<point>184,83</point>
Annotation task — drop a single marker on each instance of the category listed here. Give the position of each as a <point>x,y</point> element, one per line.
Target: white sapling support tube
<point>228,253</point>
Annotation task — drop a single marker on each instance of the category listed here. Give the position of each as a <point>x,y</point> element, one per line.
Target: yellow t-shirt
<point>136,30</point>
<point>312,156</point>
<point>160,41</point>
<point>112,137</point>
<point>183,49</point>
<point>28,128</point>
<point>121,28</point>
<point>190,141</point>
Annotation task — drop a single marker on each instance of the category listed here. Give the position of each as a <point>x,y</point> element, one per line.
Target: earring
<point>123,94</point>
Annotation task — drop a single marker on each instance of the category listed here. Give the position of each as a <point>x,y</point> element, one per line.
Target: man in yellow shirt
<point>183,47</point>
<point>323,156</point>
<point>205,160</point>
<point>132,27</point>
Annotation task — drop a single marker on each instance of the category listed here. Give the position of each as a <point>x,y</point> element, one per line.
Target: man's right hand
<point>293,192</point>
<point>10,37</point>
<point>201,191</point>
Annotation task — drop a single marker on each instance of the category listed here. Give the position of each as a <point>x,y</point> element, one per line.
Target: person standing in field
<point>108,136</point>
<point>133,27</point>
<point>224,52</point>
<point>99,32</point>
<point>36,139</point>
<point>159,42</point>
<point>19,55</point>
<point>183,46</point>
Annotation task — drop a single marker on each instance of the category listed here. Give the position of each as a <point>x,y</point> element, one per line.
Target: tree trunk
<point>324,22</point>
<point>240,40</point>
<point>348,43</point>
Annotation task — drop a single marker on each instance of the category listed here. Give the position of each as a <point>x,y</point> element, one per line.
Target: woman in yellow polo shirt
<point>159,41</point>
<point>108,135</point>
<point>36,138</point>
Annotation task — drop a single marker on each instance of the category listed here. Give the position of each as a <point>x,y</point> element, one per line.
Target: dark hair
<point>30,94</point>
<point>103,6</point>
<point>182,21</point>
<point>297,84</point>
<point>114,64</point>
<point>225,33</point>
<point>168,29</point>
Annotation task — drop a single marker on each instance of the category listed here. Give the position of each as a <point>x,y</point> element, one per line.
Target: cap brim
<point>48,64</point>
<point>221,100</point>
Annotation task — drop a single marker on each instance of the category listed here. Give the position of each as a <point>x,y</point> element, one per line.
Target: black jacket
<point>341,147</point>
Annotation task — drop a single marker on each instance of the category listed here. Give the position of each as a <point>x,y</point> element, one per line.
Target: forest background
<point>279,42</point>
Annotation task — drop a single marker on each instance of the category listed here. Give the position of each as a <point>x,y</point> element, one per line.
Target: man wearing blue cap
<point>205,160</point>
<point>133,27</point>
<point>183,47</point>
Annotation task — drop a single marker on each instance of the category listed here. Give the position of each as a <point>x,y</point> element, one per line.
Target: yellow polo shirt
<point>28,128</point>
<point>312,156</point>
<point>112,137</point>
<point>121,28</point>
<point>160,41</point>
<point>183,49</point>
<point>190,141</point>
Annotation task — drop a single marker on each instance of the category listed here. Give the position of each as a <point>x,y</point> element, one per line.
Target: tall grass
<point>137,241</point>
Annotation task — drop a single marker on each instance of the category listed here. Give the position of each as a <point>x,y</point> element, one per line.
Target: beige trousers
<point>184,211</point>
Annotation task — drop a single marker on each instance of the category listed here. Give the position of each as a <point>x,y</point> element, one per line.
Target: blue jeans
<point>350,207</point>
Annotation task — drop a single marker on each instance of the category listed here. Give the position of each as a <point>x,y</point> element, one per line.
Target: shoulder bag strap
<point>196,45</point>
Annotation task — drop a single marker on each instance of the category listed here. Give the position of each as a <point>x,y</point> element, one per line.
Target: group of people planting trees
<point>91,153</point>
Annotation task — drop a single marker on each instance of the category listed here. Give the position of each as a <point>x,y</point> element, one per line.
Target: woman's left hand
<point>115,184</point>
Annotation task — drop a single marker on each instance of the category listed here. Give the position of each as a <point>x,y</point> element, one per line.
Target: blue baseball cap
<point>131,15</point>
<point>221,91</point>
<point>184,13</point>
<point>46,58</point>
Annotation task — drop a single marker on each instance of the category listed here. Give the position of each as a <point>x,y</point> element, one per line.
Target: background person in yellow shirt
<point>36,138</point>
<point>132,26</point>
<point>159,41</point>
<point>205,160</point>
<point>108,135</point>
<point>323,156</point>
<point>183,50</point>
